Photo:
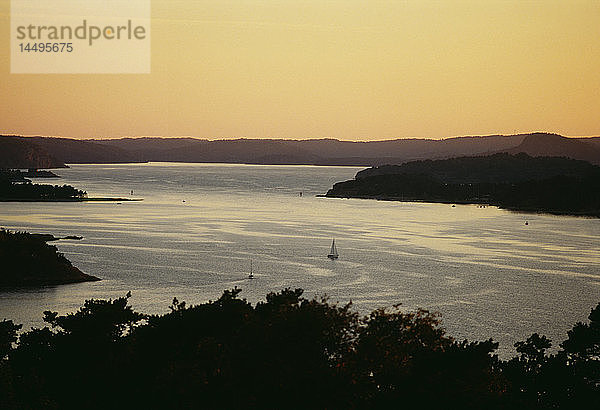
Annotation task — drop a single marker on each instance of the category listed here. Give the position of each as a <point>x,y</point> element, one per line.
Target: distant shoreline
<point>51,152</point>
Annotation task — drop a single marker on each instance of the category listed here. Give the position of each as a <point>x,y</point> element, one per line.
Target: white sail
<point>333,253</point>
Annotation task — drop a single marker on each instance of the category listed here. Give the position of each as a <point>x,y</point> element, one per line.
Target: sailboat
<point>251,275</point>
<point>333,253</point>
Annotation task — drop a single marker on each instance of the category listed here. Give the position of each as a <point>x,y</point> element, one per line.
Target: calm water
<point>200,225</point>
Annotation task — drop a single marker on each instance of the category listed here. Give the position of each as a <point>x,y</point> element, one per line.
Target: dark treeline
<point>12,175</point>
<point>500,167</point>
<point>555,185</point>
<point>10,190</point>
<point>27,260</point>
<point>286,352</point>
<point>14,186</point>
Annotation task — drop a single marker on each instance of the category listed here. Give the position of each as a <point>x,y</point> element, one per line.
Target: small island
<point>29,261</point>
<point>514,182</point>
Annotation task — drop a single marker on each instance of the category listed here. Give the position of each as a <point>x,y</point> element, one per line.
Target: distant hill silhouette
<point>315,151</point>
<point>310,152</point>
<point>595,141</point>
<point>552,145</point>
<point>81,151</point>
<point>19,152</point>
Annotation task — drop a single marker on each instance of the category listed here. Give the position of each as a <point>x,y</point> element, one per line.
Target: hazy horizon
<point>308,138</point>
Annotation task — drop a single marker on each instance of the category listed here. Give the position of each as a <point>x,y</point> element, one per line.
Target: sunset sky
<point>349,69</point>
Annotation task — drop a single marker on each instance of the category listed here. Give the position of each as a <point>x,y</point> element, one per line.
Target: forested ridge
<point>519,182</point>
<point>50,152</point>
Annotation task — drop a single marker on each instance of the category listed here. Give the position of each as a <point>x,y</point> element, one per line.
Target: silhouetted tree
<point>285,352</point>
<point>407,358</point>
<point>8,336</point>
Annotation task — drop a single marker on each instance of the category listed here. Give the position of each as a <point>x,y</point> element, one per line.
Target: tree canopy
<point>284,352</point>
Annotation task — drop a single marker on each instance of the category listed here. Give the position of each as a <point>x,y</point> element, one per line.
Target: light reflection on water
<point>482,268</point>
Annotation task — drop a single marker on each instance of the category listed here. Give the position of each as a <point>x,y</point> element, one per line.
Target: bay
<point>199,226</point>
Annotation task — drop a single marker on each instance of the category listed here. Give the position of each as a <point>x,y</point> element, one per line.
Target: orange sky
<point>350,69</point>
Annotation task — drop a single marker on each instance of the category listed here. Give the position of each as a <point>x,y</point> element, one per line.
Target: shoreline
<point>35,284</point>
<point>590,215</point>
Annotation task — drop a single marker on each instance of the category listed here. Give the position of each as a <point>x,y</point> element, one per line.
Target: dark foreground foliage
<point>286,352</point>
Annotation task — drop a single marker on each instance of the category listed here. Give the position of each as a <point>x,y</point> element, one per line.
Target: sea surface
<point>201,226</point>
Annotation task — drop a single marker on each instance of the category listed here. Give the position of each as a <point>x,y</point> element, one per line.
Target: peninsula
<point>29,261</point>
<point>514,182</point>
<point>14,187</point>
